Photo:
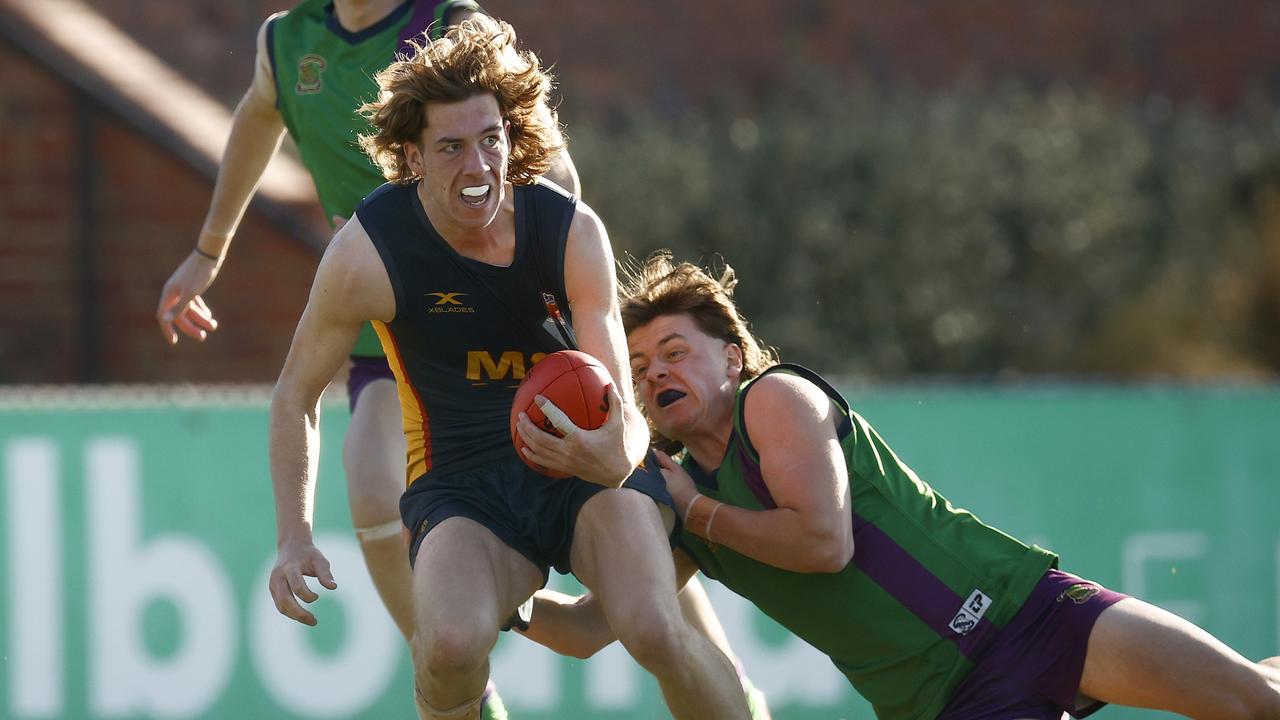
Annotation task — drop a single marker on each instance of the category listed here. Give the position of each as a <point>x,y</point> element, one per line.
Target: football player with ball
<point>469,268</point>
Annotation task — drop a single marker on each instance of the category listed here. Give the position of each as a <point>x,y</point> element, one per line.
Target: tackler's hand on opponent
<point>592,455</point>
<point>679,484</point>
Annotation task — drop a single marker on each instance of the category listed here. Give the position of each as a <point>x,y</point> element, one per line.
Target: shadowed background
<point>978,191</point>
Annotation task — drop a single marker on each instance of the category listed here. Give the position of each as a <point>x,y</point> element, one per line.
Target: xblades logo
<point>447,298</point>
<point>449,302</point>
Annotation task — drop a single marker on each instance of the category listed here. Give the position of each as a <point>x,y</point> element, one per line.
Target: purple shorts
<point>365,370</point>
<point>1032,671</point>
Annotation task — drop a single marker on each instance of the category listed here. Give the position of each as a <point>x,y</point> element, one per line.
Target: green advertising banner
<point>138,534</point>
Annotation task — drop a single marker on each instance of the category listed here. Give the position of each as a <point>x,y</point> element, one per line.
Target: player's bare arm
<point>607,455</point>
<point>256,131</point>
<point>792,425</point>
<point>350,287</point>
<point>576,625</point>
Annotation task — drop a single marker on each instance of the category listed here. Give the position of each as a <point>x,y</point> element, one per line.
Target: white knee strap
<point>379,532</point>
<point>426,712</point>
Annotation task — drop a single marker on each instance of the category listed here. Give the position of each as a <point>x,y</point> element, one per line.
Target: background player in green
<point>794,502</point>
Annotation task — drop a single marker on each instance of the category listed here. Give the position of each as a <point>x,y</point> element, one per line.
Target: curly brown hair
<point>478,56</point>
<point>659,286</point>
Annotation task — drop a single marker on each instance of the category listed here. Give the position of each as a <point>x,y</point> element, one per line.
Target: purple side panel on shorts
<point>1033,668</point>
<point>365,370</point>
<point>911,584</point>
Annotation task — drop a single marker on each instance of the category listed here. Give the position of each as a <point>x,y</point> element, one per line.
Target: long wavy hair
<point>478,56</point>
<point>659,286</point>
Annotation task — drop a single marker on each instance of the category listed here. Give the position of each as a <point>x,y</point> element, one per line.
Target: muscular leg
<point>697,610</point>
<point>1143,656</point>
<point>373,454</point>
<point>621,554</point>
<point>465,583</point>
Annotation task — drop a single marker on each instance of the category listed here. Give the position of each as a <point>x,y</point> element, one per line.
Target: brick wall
<point>147,208</point>
<point>679,51</point>
<point>37,283</point>
<point>672,51</point>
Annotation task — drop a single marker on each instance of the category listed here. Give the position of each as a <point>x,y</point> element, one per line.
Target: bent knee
<point>452,650</point>
<point>654,639</point>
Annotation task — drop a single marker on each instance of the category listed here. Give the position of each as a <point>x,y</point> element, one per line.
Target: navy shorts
<point>530,512</point>
<point>1032,670</point>
<point>363,371</point>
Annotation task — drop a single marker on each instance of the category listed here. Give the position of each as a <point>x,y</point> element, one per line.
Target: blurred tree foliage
<point>976,233</point>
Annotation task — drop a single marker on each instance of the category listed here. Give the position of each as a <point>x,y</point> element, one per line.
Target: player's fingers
<point>189,328</point>
<point>556,416</point>
<point>338,222</point>
<point>199,303</point>
<point>165,313</point>
<point>613,398</point>
<point>671,470</point>
<point>200,314</point>
<point>324,574</point>
<point>299,587</point>
<point>206,311</point>
<point>540,446</point>
<point>667,471</point>
<point>534,436</point>
<point>664,460</point>
<point>285,603</point>
<point>532,455</point>
<point>549,460</point>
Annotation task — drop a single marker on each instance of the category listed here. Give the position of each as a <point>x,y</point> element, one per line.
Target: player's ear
<point>733,358</point>
<point>413,157</point>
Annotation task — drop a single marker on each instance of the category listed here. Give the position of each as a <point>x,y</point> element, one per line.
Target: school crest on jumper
<point>309,69</point>
<point>1080,592</point>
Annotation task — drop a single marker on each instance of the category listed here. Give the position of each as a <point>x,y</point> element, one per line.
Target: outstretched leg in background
<point>1143,656</point>
<point>697,610</point>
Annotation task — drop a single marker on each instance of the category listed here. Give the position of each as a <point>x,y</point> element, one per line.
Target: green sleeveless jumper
<point>928,588</point>
<point>323,75</point>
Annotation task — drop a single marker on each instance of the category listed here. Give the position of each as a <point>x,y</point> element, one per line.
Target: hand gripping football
<point>576,383</point>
